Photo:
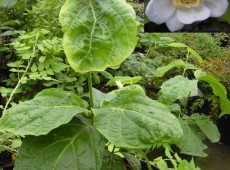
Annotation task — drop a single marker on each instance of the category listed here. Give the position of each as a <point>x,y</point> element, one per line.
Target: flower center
<point>184,4</point>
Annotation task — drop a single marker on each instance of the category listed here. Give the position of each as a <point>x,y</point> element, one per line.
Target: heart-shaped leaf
<point>48,110</point>
<point>97,34</point>
<point>128,118</point>
<point>73,146</point>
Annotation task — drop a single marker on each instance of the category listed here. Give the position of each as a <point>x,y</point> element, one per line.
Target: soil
<point>218,157</point>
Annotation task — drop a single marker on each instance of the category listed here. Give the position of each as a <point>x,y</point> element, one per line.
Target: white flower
<point>119,84</point>
<point>177,13</point>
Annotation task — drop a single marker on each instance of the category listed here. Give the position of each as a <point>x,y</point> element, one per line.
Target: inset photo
<point>187,16</point>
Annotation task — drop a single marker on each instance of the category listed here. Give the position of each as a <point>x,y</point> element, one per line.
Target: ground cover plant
<point>72,125</point>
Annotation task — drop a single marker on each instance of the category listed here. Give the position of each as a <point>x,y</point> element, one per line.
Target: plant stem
<point>90,86</point>
<point>146,159</point>
<point>186,62</point>
<point>20,79</point>
<point>17,86</point>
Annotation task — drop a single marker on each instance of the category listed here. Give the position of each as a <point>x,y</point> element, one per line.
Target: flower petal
<point>159,11</point>
<point>174,24</point>
<point>217,7</point>
<point>188,16</point>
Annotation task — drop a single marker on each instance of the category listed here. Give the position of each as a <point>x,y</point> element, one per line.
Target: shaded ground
<point>218,157</point>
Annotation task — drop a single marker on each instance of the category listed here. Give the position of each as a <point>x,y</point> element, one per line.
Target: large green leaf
<point>191,144</point>
<point>48,110</point>
<point>128,118</point>
<point>97,33</point>
<point>73,146</point>
<point>176,88</point>
<point>206,126</point>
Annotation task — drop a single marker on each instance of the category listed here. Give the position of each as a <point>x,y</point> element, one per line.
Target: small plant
<point>175,160</point>
<point>176,93</point>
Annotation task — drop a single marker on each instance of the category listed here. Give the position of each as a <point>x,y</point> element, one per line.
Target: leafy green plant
<point>44,15</point>
<point>176,93</point>
<point>9,142</point>
<point>175,160</point>
<point>36,59</point>
<point>62,130</point>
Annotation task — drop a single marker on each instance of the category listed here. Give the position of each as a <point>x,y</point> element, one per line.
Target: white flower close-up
<point>177,13</point>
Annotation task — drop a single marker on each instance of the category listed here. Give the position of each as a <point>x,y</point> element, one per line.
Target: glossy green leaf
<point>73,146</point>
<point>191,144</point>
<point>206,126</point>
<point>128,118</point>
<point>162,70</point>
<point>48,110</point>
<point>97,34</point>
<point>176,88</point>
